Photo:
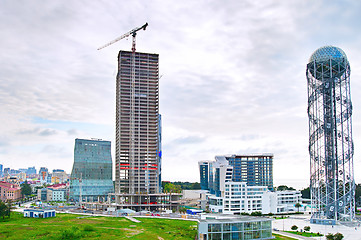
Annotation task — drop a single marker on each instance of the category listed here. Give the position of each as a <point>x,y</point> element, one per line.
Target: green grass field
<point>280,237</point>
<point>305,234</point>
<point>68,226</point>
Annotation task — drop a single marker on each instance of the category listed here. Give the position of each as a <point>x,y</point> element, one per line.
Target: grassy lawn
<point>281,237</point>
<point>68,226</point>
<point>305,234</point>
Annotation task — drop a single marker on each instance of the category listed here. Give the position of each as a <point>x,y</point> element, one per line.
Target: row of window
<point>240,235</point>
<point>238,227</point>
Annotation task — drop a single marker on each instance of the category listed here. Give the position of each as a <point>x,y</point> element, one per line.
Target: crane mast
<point>132,32</point>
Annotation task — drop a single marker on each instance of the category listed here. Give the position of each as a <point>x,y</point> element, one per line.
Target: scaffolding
<point>137,124</point>
<point>331,147</point>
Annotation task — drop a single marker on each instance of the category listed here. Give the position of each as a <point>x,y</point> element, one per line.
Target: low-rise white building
<point>287,200</point>
<point>239,198</point>
<point>234,227</point>
<point>215,203</point>
<point>59,195</point>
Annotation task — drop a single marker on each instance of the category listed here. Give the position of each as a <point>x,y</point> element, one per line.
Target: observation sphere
<point>328,52</point>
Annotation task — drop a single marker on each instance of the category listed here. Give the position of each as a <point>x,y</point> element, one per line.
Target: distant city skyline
<point>232,78</point>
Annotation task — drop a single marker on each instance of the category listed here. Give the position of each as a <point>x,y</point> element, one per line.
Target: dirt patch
<point>88,221</point>
<point>131,232</point>
<point>160,238</point>
<point>26,228</point>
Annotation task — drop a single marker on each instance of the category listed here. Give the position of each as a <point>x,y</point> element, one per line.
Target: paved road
<point>350,232</point>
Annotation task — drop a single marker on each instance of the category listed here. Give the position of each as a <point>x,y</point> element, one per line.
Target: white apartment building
<point>239,198</point>
<point>286,201</point>
<point>58,195</point>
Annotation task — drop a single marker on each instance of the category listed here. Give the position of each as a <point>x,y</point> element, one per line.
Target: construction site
<point>138,132</point>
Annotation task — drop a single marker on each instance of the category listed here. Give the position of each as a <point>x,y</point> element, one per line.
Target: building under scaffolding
<point>137,127</point>
<point>138,135</point>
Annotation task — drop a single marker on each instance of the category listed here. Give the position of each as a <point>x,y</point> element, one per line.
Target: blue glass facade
<point>255,170</point>
<point>91,175</point>
<point>204,172</point>
<point>160,150</point>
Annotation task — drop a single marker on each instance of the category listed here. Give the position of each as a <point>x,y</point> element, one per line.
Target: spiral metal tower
<point>331,147</point>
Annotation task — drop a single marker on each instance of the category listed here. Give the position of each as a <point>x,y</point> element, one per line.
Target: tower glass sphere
<point>331,147</point>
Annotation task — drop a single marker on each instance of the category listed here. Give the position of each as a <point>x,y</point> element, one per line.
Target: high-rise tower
<point>330,136</point>
<point>137,124</point>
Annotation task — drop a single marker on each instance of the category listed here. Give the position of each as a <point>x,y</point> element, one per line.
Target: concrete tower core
<point>331,147</point>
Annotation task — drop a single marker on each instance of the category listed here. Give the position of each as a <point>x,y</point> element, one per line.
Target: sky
<point>232,78</point>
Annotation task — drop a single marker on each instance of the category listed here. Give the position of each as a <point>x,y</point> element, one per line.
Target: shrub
<point>338,236</point>
<point>294,227</point>
<point>329,236</point>
<point>72,233</point>
<point>257,213</point>
<point>88,228</point>
<point>307,228</point>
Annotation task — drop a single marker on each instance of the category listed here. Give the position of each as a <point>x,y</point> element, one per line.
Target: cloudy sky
<point>233,77</point>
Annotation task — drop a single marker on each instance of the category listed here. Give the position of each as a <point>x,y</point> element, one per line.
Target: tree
<point>182,210</point>
<point>307,228</point>
<point>329,236</point>
<point>284,188</point>
<point>298,205</point>
<point>196,186</point>
<point>306,193</point>
<point>294,227</point>
<point>170,187</point>
<point>256,213</point>
<point>5,209</point>
<point>25,189</point>
<point>338,236</point>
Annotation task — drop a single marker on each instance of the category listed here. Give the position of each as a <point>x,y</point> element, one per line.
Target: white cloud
<point>233,76</point>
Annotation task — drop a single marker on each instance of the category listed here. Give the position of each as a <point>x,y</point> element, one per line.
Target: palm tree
<point>298,205</point>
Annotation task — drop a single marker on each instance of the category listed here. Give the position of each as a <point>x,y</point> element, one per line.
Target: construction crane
<point>132,102</point>
<point>131,32</point>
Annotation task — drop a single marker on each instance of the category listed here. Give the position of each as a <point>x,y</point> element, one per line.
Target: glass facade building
<point>204,172</point>
<point>255,170</point>
<point>235,228</point>
<point>91,176</point>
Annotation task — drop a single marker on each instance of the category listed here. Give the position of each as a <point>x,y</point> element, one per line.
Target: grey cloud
<point>38,132</point>
<point>188,140</point>
<point>231,69</point>
<point>248,137</point>
<point>72,132</point>
<point>56,151</point>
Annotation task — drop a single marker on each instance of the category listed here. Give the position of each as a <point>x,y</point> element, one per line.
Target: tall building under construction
<point>138,133</point>
<point>137,124</point>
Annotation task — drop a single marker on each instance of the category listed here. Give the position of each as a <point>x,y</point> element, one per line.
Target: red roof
<point>9,186</point>
<point>57,186</point>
